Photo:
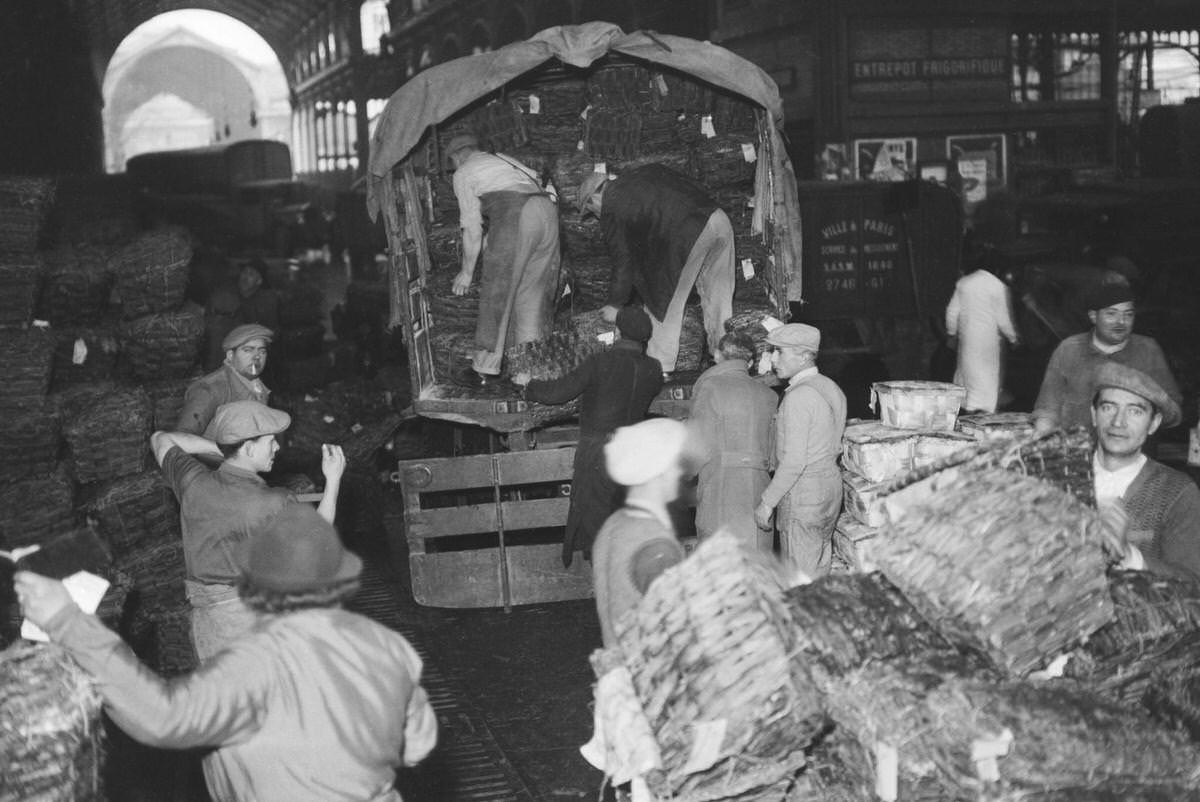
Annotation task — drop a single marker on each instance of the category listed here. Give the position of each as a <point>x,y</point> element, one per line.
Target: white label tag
<point>764,363</point>
<point>706,126</point>
<point>38,323</point>
<point>79,352</point>
<point>607,337</point>
<point>600,167</point>
<point>1193,457</point>
<point>984,752</point>
<point>356,428</point>
<point>660,83</point>
<point>583,114</point>
<point>887,771</point>
<point>747,269</point>
<point>771,323</point>
<point>535,104</point>
<point>566,291</point>
<point>579,146</point>
<point>85,589</point>
<point>329,419</point>
<point>748,152</point>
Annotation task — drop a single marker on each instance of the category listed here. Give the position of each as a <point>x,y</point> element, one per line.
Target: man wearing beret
<point>521,256</point>
<point>615,388</point>
<point>638,542</point>
<point>806,491</point>
<point>1154,508</point>
<point>664,235</point>
<point>239,379</point>
<point>1069,383</point>
<point>314,704</point>
<point>222,509</point>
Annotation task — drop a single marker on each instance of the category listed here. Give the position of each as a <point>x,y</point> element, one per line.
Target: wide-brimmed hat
<point>243,334</point>
<point>795,335</point>
<point>245,420</point>
<point>297,551</point>
<point>1132,380</point>
<point>638,453</point>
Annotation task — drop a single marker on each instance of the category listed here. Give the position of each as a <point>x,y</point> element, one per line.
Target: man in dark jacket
<point>1154,509</point>
<point>615,388</point>
<point>238,379</point>
<point>664,235</point>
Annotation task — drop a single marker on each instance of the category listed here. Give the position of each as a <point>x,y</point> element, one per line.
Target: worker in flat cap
<point>638,541</point>
<point>1153,509</point>
<point>665,235</point>
<point>315,703</point>
<point>521,257</point>
<point>1069,383</point>
<point>222,509</point>
<point>615,388</point>
<point>238,379</point>
<point>805,492</point>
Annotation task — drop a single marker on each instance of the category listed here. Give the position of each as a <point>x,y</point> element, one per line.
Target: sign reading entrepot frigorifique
<point>929,69</point>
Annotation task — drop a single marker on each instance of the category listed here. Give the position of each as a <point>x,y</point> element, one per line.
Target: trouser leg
<point>715,280</point>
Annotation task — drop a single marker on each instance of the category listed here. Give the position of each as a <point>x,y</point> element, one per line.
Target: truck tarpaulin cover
<point>439,92</point>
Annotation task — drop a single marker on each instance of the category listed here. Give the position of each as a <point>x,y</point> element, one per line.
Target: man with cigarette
<point>238,379</point>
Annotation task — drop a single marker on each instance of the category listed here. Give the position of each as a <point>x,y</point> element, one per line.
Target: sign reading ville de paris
<point>927,69</point>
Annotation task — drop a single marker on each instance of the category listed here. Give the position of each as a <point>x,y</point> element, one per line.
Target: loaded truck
<point>569,101</point>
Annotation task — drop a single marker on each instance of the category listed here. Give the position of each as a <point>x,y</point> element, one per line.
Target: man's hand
<point>523,378</point>
<point>462,282</point>
<point>762,516</point>
<point>609,313</point>
<point>41,597</point>
<point>333,462</point>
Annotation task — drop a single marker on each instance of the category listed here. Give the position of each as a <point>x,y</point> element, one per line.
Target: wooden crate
<point>488,492</point>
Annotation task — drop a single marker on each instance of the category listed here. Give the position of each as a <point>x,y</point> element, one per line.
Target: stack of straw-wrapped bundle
<point>163,345</point>
<point>152,271</point>
<point>35,509</point>
<point>25,202</point>
<point>26,362</point>
<point>712,642</point>
<point>51,733</point>
<point>85,354</point>
<point>1004,563</point>
<point>29,443</point>
<point>20,285</point>
<point>77,285</point>
<point>108,439</point>
<point>166,398</point>
<point>133,511</point>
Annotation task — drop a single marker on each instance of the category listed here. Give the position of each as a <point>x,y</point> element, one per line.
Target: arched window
<point>374,22</point>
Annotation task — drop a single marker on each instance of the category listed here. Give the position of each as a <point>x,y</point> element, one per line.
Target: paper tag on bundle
<point>748,152</point>
<point>566,290</point>
<point>607,337</point>
<point>328,418</point>
<point>1193,457</point>
<point>770,323</point>
<point>747,269</point>
<point>535,104</point>
<point>356,428</point>
<point>660,83</point>
<point>600,167</point>
<point>707,737</point>
<point>41,324</point>
<point>79,352</point>
<point>706,126</point>
<point>887,772</point>
<point>984,752</point>
<point>583,114</point>
<point>86,590</point>
<point>579,146</point>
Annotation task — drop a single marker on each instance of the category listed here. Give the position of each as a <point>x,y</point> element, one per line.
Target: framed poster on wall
<point>982,161</point>
<point>885,159</point>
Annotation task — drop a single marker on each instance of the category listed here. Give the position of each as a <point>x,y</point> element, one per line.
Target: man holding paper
<point>664,234</point>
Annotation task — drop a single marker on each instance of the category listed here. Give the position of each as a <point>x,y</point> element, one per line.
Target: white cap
<point>638,453</point>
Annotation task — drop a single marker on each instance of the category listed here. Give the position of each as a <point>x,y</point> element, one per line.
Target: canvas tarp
<point>442,90</point>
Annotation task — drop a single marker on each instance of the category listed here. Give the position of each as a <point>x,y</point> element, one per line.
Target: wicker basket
<point>712,641</point>
<point>996,425</point>
<point>20,285</point>
<point>163,346</point>
<point>133,511</point>
<point>1003,563</point>
<point>918,404</point>
<point>34,510</point>
<point>152,272</point>
<point>109,439</point>
<point>51,732</point>
<point>26,361</point>
<point>29,443</point>
<point>877,452</point>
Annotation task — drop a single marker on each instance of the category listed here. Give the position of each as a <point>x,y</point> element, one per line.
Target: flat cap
<point>634,323</point>
<point>795,335</point>
<point>1132,380</point>
<point>459,142</point>
<point>588,186</point>
<point>1112,290</point>
<point>297,551</point>
<point>638,453</point>
<point>244,334</point>
<point>245,420</point>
